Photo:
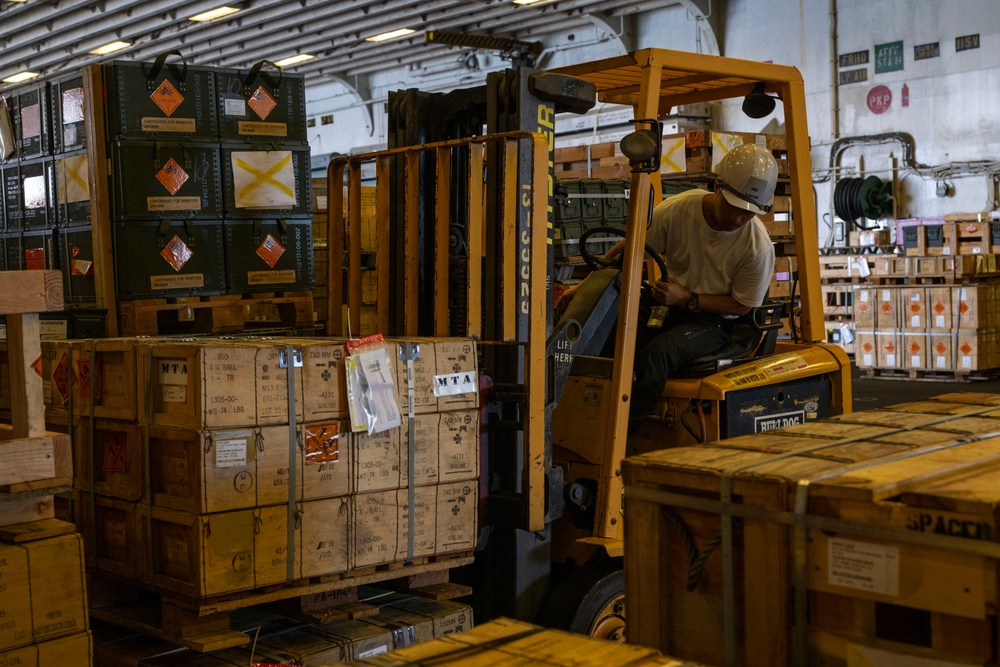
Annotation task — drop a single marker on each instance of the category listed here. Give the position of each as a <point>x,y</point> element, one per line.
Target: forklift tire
<point>591,601</point>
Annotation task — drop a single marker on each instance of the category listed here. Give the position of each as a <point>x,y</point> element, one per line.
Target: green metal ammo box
<point>69,127</point>
<point>169,258</point>
<point>266,182</point>
<point>165,179</point>
<point>72,184</point>
<point>261,104</point>
<point>29,194</point>
<point>32,122</point>
<point>269,255</point>
<point>76,259</point>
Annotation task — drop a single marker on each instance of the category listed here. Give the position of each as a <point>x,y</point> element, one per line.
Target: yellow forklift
<point>464,233</point>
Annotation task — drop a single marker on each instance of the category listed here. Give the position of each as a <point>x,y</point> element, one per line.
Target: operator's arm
<point>672,293</point>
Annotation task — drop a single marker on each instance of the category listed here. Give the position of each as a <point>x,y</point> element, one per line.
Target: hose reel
<point>855,198</point>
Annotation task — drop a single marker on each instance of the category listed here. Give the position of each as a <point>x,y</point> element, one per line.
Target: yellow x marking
<point>265,176</point>
<point>71,171</point>
<point>672,166</point>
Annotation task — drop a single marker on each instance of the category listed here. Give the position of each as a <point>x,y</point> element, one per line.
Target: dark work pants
<point>661,352</point>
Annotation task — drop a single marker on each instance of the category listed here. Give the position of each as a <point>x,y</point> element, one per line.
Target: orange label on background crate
<point>177,253</point>
<point>890,347</point>
<point>886,307</point>
<point>966,348</point>
<point>940,348</point>
<point>270,250</point>
<point>116,453</point>
<point>938,307</point>
<point>34,259</point>
<point>262,103</point>
<point>914,307</point>
<point>323,443</point>
<point>868,347</point>
<point>86,379</point>
<point>60,377</point>
<point>36,366</point>
<point>963,307</point>
<point>167,97</point>
<point>172,176</point>
<point>915,348</point>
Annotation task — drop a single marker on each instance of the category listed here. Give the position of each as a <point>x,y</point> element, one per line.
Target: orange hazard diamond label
<point>270,250</point>
<point>963,307</point>
<point>61,379</point>
<point>116,453</point>
<point>868,347</point>
<point>323,443</point>
<point>966,348</point>
<point>177,253</point>
<point>36,366</point>
<point>890,347</point>
<point>172,176</point>
<point>914,307</point>
<point>915,348</point>
<point>938,307</point>
<point>262,103</point>
<point>941,348</point>
<point>167,97</point>
<point>886,307</point>
<point>34,259</point>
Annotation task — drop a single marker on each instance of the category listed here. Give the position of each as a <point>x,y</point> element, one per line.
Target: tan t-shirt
<point>738,263</point>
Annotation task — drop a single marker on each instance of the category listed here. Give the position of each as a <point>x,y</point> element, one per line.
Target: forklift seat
<point>753,335</point>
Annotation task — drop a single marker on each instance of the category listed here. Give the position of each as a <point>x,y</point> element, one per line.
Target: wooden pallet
<point>215,314</point>
<point>204,624</point>
<point>931,376</point>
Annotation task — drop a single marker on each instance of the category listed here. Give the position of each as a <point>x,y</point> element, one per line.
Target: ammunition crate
<point>269,255</point>
<point>29,194</point>
<point>76,259</point>
<point>175,102</point>
<point>32,121</point>
<point>172,180</point>
<point>261,106</point>
<point>266,183</point>
<point>72,185</point>
<point>162,258</point>
<point>69,127</point>
<point>31,250</point>
<point>615,203</point>
<point>3,252</point>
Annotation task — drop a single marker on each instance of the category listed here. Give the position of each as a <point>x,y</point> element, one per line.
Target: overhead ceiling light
<point>294,60</point>
<point>526,2</point>
<point>17,0</point>
<point>402,32</point>
<point>20,76</point>
<point>110,48</point>
<point>213,14</point>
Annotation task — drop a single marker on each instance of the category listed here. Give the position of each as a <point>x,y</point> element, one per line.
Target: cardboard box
<point>43,596</point>
<point>887,308</point>
<point>446,448</point>
<point>218,384</point>
<point>362,640</point>
<point>448,617</point>
<point>915,351</point>
<point>865,352</point>
<point>407,628</point>
<point>72,651</point>
<point>888,352</point>
<point>913,308</point>
<point>306,646</point>
<point>864,307</point>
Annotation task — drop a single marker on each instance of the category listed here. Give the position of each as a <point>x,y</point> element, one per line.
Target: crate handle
<point>158,65</point>
<point>252,76</point>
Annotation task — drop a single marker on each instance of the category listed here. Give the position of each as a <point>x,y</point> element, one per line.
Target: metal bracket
<point>296,358</point>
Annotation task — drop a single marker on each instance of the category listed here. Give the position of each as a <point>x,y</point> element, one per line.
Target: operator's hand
<point>670,292</point>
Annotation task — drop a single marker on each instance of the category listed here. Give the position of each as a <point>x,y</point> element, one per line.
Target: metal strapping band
<point>148,364</point>
<point>91,428</point>
<point>410,351</point>
<point>726,493</point>
<point>292,469</point>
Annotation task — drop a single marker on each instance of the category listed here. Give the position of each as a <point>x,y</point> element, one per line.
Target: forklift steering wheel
<point>595,262</point>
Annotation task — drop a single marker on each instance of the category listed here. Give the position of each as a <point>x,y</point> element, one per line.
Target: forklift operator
<point>719,260</point>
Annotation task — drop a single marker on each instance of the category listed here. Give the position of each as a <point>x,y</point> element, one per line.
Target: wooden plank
<point>35,530</point>
<point>147,620</point>
<point>442,224</point>
<point>100,198</point>
<point>25,507</point>
<point>411,267</point>
<point>442,591</point>
<point>26,460</point>
<point>24,353</point>
<point>31,292</point>
<point>474,283</point>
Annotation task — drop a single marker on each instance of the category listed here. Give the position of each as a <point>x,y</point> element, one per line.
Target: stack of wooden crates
<point>932,310</point>
<point>865,539</point>
<point>43,601</point>
<point>218,471</point>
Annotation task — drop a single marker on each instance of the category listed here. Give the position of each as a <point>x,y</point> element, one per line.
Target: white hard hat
<point>747,176</point>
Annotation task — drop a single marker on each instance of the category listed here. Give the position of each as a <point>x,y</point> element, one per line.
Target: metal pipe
<point>834,73</point>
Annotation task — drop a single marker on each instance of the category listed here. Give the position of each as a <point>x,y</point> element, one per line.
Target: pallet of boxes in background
<point>235,478</point>
<point>868,538</point>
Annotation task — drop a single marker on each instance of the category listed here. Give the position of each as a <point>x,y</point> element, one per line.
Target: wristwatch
<point>692,303</point>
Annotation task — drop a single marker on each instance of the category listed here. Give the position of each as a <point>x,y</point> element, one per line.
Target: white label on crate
<point>321,202</point>
<point>53,329</point>
<point>235,106</point>
<point>886,295</point>
<point>453,384</point>
<point>868,361</point>
<point>939,321</point>
<point>863,295</point>
<point>378,650</point>
<point>173,371</point>
<point>47,391</point>
<point>939,362</point>
<point>231,452</point>
<point>174,394</point>
<point>915,362</point>
<point>890,360</point>
<point>966,362</point>
<point>915,321</point>
<point>961,294</point>
<point>864,566</point>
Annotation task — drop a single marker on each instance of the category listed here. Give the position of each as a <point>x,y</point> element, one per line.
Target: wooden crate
<point>899,510</point>
<point>72,651</point>
<point>215,384</point>
<point>43,596</point>
<point>108,458</point>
